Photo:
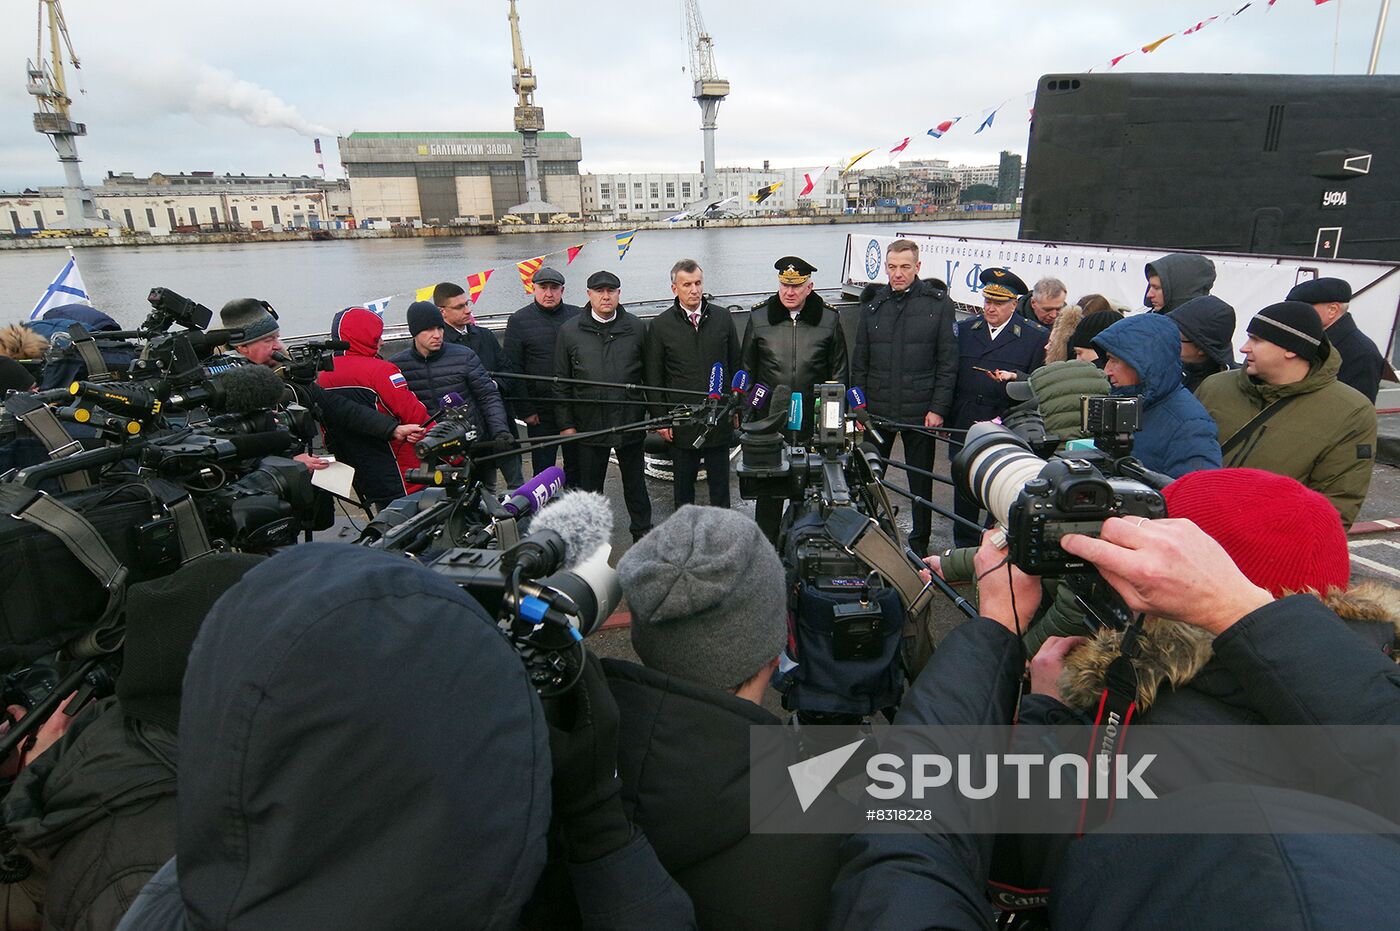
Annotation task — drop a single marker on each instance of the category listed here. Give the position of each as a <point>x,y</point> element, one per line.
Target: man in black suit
<point>1362,363</point>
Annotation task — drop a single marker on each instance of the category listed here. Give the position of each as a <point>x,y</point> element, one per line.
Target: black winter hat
<point>600,280</point>
<point>1092,325</point>
<point>1321,291</point>
<point>1294,326</point>
<point>424,315</point>
<point>163,617</point>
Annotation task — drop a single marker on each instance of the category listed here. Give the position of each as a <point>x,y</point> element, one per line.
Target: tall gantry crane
<point>54,119</point>
<point>710,88</point>
<point>529,121</point>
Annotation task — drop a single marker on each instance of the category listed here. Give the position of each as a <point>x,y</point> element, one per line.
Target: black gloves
<point>503,442</point>
<point>583,725</point>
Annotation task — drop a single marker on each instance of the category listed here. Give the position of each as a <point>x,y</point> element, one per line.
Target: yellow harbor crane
<point>54,117</point>
<point>710,88</point>
<point>529,121</point>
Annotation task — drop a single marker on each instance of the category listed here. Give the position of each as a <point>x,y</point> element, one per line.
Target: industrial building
<point>639,196</point>
<point>200,201</point>
<point>441,178</point>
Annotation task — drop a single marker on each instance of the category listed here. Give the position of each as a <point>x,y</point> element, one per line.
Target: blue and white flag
<point>67,288</point>
<point>380,305</point>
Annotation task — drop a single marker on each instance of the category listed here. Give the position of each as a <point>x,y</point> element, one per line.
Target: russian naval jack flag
<point>67,288</point>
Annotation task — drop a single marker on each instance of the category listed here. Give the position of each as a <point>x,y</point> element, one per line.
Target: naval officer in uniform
<point>996,348</point>
<point>793,338</point>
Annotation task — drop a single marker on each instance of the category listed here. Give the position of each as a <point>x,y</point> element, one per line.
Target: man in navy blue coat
<point>993,349</point>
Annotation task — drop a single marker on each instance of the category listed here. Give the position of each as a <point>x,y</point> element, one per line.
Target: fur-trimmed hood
<point>810,314</point>
<point>1173,654</point>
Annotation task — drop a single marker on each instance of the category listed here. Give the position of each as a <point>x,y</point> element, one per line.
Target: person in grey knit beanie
<point>708,597</point>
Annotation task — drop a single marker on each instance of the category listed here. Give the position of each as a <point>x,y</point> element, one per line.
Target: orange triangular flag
<point>1153,47</point>
<point>475,284</point>
<point>573,252</point>
<point>527,272</point>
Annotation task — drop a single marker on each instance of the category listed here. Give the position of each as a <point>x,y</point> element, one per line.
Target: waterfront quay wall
<point>486,229</point>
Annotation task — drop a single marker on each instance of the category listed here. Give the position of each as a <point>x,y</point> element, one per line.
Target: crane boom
<point>49,87</point>
<point>709,88</point>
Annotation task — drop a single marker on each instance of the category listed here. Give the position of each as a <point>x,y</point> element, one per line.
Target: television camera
<point>859,607</point>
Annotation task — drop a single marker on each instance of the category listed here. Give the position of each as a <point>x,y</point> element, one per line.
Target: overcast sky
<point>178,86</point>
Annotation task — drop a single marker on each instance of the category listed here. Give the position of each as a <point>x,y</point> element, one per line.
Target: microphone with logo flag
<point>855,401</point>
<point>533,495</point>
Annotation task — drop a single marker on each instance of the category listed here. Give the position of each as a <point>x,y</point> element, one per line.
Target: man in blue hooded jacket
<point>1144,360</point>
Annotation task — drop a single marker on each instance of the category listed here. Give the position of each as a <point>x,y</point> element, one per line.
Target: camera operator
<point>1299,665</point>
<point>709,619</point>
<point>98,810</point>
<point>410,789</point>
<point>1177,435</point>
<point>261,345</point>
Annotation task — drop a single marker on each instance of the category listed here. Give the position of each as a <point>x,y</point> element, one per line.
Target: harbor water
<point>309,281</point>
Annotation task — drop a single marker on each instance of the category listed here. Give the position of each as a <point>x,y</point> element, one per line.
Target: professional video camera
<point>301,362</point>
<point>859,606</point>
<point>548,591</point>
<point>168,307</point>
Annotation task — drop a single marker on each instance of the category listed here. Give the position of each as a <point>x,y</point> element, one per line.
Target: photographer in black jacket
<point>906,359</point>
<point>682,344</point>
<point>604,343</point>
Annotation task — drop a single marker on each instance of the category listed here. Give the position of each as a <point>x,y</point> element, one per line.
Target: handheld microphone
<point>715,388</point>
<point>758,396</point>
<point>446,403</point>
<point>795,411</point>
<point>855,401</point>
<point>530,497</point>
<point>740,383</point>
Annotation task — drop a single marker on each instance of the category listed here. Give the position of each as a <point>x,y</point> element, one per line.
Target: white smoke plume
<point>203,91</point>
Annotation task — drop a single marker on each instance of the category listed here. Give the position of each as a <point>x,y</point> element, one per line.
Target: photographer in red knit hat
<point>1286,540</point>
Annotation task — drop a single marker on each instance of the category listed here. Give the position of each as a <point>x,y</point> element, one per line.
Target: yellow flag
<point>424,294</point>
<point>1154,45</point>
<point>855,158</point>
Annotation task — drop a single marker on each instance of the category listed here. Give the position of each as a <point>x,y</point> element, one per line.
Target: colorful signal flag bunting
<point>938,131</point>
<point>573,253</point>
<point>527,271</point>
<point>624,242</point>
<point>476,284</point>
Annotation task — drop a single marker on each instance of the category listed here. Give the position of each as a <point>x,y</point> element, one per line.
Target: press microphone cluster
<point>717,407</point>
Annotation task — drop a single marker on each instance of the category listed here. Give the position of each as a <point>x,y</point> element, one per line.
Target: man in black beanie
<point>1286,412</point>
<point>435,367</point>
<point>98,808</point>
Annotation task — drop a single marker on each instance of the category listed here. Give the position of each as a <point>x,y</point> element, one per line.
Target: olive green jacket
<point>1325,435</point>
